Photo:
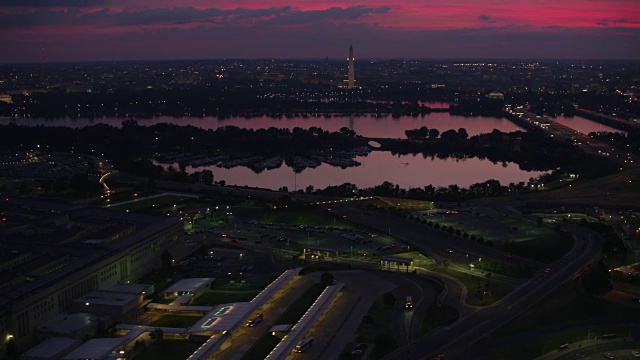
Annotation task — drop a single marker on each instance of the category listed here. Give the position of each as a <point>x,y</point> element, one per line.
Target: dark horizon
<point>333,60</point>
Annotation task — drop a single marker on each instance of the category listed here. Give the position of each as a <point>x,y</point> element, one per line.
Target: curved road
<point>452,340</point>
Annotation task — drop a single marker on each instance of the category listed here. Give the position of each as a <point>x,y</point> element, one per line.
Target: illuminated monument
<point>351,82</point>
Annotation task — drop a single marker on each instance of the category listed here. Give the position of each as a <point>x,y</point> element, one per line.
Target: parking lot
<point>488,224</point>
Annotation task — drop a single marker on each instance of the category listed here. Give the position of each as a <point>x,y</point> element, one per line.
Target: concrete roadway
<point>471,327</point>
<point>590,145</point>
<point>339,325</point>
<point>241,340</point>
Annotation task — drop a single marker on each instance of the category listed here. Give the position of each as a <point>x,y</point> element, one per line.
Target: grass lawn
<point>177,321</point>
<point>169,350</point>
<point>419,260</point>
<point>309,217</point>
<point>408,204</point>
<point>210,297</point>
<point>375,329</point>
<point>479,292</point>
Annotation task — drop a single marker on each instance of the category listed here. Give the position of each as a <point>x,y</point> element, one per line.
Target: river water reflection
<point>407,171</point>
<point>583,125</point>
<point>365,125</point>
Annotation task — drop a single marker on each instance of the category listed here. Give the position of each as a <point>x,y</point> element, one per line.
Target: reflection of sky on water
<point>367,125</point>
<point>583,125</point>
<point>407,171</point>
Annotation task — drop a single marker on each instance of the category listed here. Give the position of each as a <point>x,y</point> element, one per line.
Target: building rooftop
<point>96,349</point>
<point>68,323</point>
<point>56,230</point>
<point>52,348</point>
<point>224,317</point>
<point>143,289</point>
<point>109,298</point>
<point>188,285</point>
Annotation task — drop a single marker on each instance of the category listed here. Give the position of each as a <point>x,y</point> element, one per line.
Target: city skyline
<point>72,30</point>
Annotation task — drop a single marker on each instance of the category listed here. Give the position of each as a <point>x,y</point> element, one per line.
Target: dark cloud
<point>105,17</point>
<point>614,22</point>
<point>488,19</point>
<point>335,13</point>
<point>52,3</point>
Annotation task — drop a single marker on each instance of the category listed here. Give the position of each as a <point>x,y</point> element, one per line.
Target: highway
<point>452,340</point>
<point>584,141</point>
<point>475,323</point>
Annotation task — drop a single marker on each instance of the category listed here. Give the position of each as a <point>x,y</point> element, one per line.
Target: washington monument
<point>352,79</point>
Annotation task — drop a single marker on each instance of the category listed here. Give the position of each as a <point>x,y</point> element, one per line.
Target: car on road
<point>360,349</point>
<point>450,251</point>
<point>635,299</point>
<point>255,320</point>
<point>636,353</point>
<point>409,303</point>
<point>609,356</point>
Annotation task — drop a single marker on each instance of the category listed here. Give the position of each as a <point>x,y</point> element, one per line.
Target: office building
<point>54,253</point>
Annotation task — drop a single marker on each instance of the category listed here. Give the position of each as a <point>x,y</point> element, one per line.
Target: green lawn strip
<point>294,312</point>
<point>169,350</point>
<point>177,321</point>
<point>436,317</point>
<point>419,260</point>
<point>210,297</point>
<point>480,290</point>
<point>375,329</point>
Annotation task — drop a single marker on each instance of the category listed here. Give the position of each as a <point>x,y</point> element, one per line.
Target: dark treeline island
<point>292,99</point>
<point>131,148</point>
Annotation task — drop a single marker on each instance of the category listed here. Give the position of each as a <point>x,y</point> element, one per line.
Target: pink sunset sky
<point>190,29</point>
